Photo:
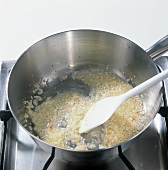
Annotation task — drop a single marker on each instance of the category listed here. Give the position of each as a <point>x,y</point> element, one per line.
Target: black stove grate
<point>51,158</point>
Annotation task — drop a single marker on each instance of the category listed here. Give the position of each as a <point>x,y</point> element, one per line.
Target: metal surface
<point>148,152</point>
<point>4,71</point>
<point>68,51</point>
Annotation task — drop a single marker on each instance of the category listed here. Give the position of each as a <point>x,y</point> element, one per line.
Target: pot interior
<point>66,52</point>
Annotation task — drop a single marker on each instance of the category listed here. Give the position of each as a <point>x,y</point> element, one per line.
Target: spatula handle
<point>145,85</point>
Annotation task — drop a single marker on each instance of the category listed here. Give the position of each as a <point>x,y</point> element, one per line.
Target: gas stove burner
<point>18,151</point>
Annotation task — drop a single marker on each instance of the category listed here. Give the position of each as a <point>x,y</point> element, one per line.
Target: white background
<point>22,22</point>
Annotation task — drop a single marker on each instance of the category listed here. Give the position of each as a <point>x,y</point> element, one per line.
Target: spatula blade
<point>99,113</point>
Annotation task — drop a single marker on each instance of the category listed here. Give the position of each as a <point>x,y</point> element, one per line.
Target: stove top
<point>18,151</point>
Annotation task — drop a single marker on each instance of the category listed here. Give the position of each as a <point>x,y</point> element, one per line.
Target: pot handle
<point>158,48</point>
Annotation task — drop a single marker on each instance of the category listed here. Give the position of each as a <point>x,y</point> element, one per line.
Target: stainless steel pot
<point>52,56</point>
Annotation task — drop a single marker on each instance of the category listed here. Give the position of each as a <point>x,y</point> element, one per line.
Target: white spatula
<point>104,109</point>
